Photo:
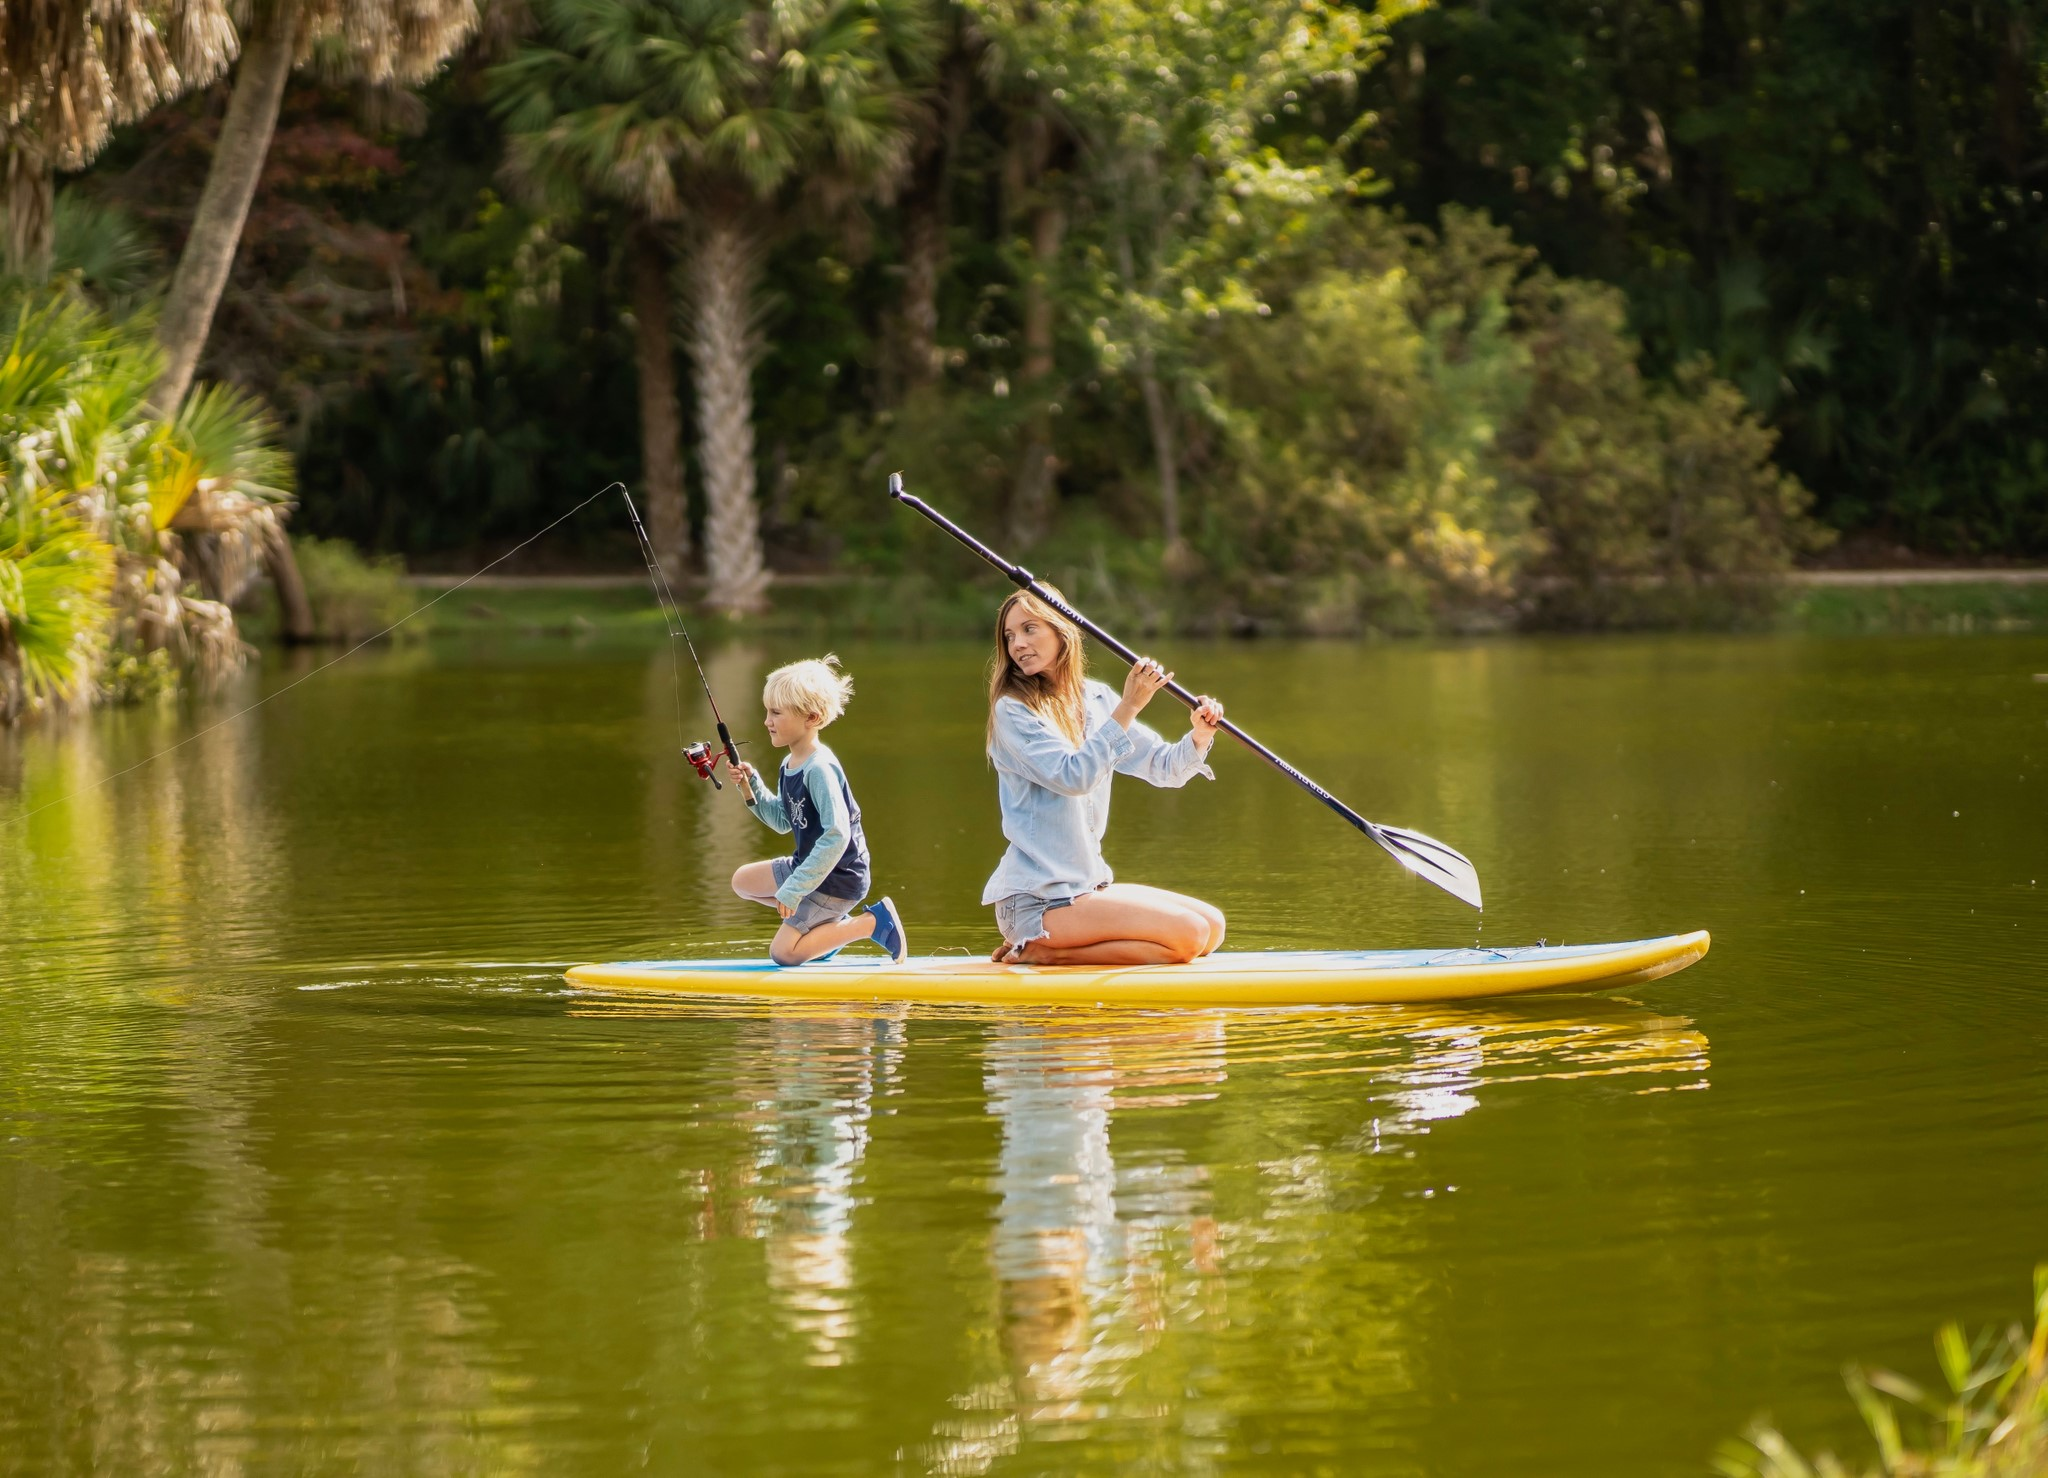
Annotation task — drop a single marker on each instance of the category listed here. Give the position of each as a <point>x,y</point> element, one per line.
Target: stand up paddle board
<point>1281,978</point>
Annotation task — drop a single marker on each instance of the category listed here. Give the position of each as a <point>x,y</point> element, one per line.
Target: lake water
<point>309,1162</point>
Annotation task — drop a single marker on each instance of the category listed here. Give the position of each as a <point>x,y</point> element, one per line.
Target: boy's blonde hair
<point>815,685</point>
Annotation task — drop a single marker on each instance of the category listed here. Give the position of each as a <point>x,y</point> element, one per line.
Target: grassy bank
<point>1958,607</point>
<point>856,607</point>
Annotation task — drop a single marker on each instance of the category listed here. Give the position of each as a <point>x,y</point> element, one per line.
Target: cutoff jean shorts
<point>1021,916</point>
<point>813,909</point>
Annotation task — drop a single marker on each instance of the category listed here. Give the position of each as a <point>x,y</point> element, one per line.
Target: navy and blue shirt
<point>815,803</point>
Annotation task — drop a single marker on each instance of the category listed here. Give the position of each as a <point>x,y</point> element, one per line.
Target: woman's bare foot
<point>1005,954</point>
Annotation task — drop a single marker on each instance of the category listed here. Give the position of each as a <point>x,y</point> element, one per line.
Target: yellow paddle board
<point>1280,978</point>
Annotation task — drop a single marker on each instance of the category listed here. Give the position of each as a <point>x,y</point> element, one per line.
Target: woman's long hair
<point>1058,692</point>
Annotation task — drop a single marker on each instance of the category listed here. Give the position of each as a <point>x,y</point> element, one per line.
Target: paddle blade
<point>1432,861</point>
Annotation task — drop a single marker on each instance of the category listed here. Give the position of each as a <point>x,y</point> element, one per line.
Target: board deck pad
<point>1276,978</point>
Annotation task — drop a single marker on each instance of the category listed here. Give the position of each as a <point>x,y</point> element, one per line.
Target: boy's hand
<point>743,780</point>
<point>784,909</point>
<point>1206,718</point>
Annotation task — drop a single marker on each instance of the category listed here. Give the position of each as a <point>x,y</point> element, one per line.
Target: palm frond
<point>232,440</point>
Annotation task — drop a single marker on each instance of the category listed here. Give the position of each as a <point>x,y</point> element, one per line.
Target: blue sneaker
<point>889,929</point>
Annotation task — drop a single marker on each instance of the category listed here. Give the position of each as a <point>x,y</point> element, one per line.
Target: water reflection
<point>810,1118</point>
<point>1104,1256</point>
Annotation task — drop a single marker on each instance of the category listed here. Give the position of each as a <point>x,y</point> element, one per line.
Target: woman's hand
<point>1204,721</point>
<point>1141,684</point>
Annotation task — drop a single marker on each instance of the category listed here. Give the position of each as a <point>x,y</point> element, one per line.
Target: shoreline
<point>1903,576</point>
<point>1813,602</point>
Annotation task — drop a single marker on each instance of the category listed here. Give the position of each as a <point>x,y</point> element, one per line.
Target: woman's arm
<point>1033,747</point>
<point>1171,766</point>
<point>822,785</point>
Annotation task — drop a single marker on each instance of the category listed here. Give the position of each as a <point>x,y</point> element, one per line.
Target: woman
<point>1055,738</point>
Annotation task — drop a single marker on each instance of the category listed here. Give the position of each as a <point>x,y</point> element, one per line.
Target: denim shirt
<point>1055,796</point>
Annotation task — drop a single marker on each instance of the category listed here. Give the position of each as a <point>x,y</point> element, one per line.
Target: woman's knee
<point>1187,936</point>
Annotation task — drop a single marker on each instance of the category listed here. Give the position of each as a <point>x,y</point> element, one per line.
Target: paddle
<point>1426,857</point>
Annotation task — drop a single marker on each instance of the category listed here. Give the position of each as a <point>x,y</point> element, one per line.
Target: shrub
<point>354,597</point>
<point>1434,429</point>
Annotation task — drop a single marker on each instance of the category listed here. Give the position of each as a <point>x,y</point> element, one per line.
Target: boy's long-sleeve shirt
<point>815,804</point>
<point>1055,795</point>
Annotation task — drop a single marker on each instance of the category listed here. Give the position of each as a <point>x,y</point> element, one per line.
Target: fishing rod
<point>1426,857</point>
<point>702,757</point>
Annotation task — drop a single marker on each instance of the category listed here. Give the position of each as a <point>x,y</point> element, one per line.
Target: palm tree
<point>588,120</point>
<point>69,74</point>
<point>374,41</point>
<point>722,116</point>
<point>913,359</point>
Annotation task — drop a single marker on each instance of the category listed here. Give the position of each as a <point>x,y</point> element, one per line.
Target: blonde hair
<point>814,685</point>
<point>1060,691</point>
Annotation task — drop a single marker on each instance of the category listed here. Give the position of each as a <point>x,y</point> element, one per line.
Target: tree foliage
<point>1837,203</point>
<point>118,529</point>
<point>1711,286</point>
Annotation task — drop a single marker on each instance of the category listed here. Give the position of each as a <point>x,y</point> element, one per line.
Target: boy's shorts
<point>813,909</point>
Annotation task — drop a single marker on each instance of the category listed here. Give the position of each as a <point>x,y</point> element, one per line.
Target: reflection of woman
<point>1055,738</point>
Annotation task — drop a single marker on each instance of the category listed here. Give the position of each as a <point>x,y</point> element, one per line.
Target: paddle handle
<point>1023,579</point>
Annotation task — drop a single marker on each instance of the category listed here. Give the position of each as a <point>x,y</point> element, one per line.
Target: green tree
<point>377,42</point>
<point>727,116</point>
<point>1839,202</point>
<point>1181,112</point>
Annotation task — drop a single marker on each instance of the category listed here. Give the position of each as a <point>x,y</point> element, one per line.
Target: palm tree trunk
<point>661,420</point>
<point>31,212</point>
<point>1037,488</point>
<point>1164,449</point>
<point>926,216</point>
<point>294,609</point>
<point>723,344</point>
<point>238,156</point>
<point>1158,415</point>
<point>924,258</point>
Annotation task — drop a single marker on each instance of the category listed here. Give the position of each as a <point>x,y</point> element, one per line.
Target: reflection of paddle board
<point>1282,978</point>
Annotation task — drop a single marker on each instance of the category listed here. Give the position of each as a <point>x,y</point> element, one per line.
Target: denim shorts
<point>813,909</point>
<point>1021,916</point>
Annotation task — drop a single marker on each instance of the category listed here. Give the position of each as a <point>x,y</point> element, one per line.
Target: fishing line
<point>366,641</point>
<point>701,756</point>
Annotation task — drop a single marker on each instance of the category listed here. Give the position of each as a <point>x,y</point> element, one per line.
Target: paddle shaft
<point>1023,579</point>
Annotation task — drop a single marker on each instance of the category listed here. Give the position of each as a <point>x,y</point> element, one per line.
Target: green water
<point>310,1164</point>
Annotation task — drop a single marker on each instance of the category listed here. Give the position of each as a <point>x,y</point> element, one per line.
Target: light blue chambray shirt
<point>1055,797</point>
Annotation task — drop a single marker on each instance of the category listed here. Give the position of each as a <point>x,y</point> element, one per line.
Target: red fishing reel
<point>704,760</point>
<point>704,757</point>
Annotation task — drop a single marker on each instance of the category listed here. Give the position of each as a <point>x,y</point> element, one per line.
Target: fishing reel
<point>704,760</point>
<point>704,756</point>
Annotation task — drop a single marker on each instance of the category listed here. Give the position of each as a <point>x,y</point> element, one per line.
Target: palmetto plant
<point>55,578</point>
<point>106,511</point>
<point>724,118</point>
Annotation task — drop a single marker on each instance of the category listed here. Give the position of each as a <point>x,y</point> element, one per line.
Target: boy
<point>824,880</point>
